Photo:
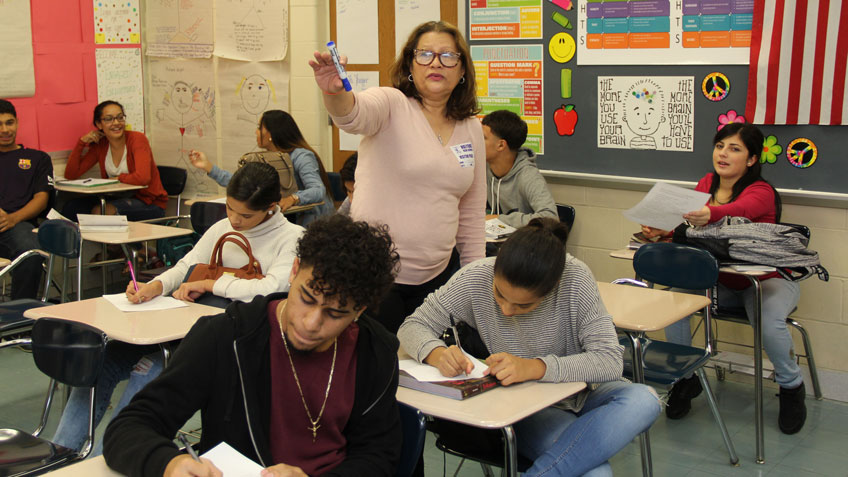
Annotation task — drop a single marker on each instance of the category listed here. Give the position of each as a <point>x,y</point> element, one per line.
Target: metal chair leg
<point>808,352</point>
<point>734,459</point>
<point>639,377</point>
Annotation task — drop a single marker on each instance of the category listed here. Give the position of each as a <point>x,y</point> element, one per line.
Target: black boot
<point>680,397</point>
<point>793,411</point>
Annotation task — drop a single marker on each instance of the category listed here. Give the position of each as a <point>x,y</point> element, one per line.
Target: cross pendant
<point>314,430</point>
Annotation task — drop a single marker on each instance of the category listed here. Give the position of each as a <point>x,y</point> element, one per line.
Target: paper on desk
<point>664,206</point>
<point>496,229</point>
<point>425,372</point>
<point>54,215</point>
<point>231,462</point>
<point>219,200</point>
<point>159,303</point>
<point>97,220</point>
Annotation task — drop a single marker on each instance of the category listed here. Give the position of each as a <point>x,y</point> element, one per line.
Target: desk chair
<point>12,321</point>
<point>414,426</point>
<point>62,238</point>
<point>205,214</point>
<point>678,266</point>
<point>174,181</point>
<point>566,214</point>
<point>738,315</point>
<point>69,353</point>
<point>484,446</point>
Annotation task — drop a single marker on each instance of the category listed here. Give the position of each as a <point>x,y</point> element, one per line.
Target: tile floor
<point>689,447</point>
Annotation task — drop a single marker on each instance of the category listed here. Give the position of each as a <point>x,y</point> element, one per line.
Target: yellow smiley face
<point>562,47</point>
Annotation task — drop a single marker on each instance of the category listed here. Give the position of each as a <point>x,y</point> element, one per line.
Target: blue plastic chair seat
<point>665,363</point>
<point>12,317</point>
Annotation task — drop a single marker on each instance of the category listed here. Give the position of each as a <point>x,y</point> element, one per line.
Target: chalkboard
<point>580,152</point>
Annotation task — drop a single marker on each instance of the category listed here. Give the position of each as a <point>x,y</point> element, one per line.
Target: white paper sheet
<point>159,303</point>
<point>231,462</point>
<point>664,206</point>
<point>119,79</point>
<point>17,76</point>
<point>425,372</point>
<point>360,81</point>
<point>496,229</point>
<point>178,29</point>
<point>97,220</point>
<point>411,13</point>
<point>252,30</point>
<point>357,31</point>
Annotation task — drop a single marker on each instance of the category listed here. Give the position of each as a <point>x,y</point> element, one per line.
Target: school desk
<point>498,408</point>
<point>290,211</point>
<point>100,191</point>
<point>752,277</point>
<point>93,467</point>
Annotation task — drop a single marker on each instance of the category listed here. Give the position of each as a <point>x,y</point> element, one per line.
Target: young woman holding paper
<point>421,166</point>
<point>252,210</point>
<point>538,311</point>
<point>737,189</point>
<point>121,154</point>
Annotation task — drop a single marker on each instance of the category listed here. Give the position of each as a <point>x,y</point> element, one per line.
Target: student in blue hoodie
<point>515,188</point>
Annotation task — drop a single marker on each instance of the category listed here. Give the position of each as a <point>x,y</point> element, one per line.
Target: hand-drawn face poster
<point>636,112</point>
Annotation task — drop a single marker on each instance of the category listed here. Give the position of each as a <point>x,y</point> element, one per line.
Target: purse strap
<point>236,238</point>
<point>283,157</point>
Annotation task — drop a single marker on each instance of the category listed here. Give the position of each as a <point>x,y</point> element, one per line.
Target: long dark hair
<point>753,140</point>
<point>533,257</point>
<point>463,99</point>
<point>98,110</point>
<point>257,184</point>
<point>286,136</point>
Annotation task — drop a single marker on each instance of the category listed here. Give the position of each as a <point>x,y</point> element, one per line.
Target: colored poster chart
<point>510,77</point>
<point>636,112</point>
<point>116,22</point>
<point>664,32</point>
<point>505,19</point>
<point>119,79</point>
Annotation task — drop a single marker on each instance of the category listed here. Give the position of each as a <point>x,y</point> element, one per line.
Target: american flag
<point>799,53</point>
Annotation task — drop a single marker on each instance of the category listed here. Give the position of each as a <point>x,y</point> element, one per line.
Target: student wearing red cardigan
<point>122,154</point>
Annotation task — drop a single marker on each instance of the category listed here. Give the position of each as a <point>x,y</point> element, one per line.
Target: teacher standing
<point>421,166</point>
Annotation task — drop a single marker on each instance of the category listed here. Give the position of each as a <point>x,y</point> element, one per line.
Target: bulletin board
<point>694,99</point>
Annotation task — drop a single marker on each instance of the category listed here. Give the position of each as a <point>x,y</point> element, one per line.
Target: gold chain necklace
<point>314,427</point>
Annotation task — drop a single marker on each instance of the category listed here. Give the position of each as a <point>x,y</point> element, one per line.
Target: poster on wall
<point>246,91</point>
<point>510,77</point>
<point>357,31</point>
<point>505,19</point>
<point>251,30</point>
<point>646,112</point>
<point>660,32</point>
<point>17,76</point>
<point>119,79</point>
<point>411,13</point>
<point>116,22</point>
<point>178,29</point>
<point>360,81</point>
<point>182,117</point>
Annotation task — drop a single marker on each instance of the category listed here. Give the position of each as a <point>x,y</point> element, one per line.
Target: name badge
<point>464,154</point>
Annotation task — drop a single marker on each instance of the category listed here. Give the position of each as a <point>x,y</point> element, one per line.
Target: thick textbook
<point>455,389</point>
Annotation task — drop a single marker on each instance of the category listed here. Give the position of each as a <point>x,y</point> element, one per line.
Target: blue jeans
<point>141,364</point>
<point>133,208</point>
<point>779,299</point>
<point>26,277</point>
<point>565,443</point>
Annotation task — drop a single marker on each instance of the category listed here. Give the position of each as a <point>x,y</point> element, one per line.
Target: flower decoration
<point>729,118</point>
<point>771,149</point>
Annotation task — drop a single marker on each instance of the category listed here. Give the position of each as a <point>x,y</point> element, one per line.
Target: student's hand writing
<point>699,217</point>
<point>650,232</point>
<point>283,470</point>
<point>185,466</point>
<point>510,369</point>
<point>91,137</point>
<point>190,291</point>
<point>198,160</point>
<point>449,361</point>
<point>7,220</point>
<point>146,291</point>
<point>326,75</point>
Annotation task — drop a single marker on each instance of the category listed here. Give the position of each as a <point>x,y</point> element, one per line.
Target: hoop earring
<point>410,78</point>
<point>462,80</point>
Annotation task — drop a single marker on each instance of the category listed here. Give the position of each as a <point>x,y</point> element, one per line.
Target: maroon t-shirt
<point>291,434</point>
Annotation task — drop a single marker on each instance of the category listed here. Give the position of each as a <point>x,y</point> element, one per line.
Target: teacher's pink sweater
<point>431,196</point>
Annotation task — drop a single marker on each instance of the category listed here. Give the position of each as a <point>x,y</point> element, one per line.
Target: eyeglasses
<point>448,59</point>
<point>109,119</point>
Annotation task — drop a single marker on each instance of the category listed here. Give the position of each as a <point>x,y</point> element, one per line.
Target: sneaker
<point>793,411</point>
<point>680,397</point>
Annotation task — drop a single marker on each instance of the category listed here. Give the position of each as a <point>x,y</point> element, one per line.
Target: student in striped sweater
<point>539,313</point>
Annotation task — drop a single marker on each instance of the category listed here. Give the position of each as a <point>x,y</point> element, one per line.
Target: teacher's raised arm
<point>337,100</point>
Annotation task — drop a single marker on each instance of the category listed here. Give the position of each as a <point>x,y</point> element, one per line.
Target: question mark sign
<point>536,67</point>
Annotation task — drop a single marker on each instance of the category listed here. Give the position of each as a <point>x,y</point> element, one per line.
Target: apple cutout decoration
<point>565,119</point>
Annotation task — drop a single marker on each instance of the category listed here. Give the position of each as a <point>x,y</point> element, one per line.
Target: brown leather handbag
<point>216,269</point>
<point>281,161</point>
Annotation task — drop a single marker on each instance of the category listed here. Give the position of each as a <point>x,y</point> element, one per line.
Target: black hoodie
<point>222,368</point>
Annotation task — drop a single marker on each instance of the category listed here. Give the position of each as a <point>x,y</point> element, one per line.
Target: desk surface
<point>104,189</point>
<point>142,327</point>
<point>628,253</point>
<point>291,210</point>
<point>137,232</point>
<point>646,309</point>
<point>93,467</point>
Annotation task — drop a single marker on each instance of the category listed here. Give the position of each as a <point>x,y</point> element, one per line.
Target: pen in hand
<point>132,274</point>
<point>188,447</point>
<point>456,337</point>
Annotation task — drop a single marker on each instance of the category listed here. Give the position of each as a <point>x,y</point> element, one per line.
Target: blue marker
<point>334,53</point>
